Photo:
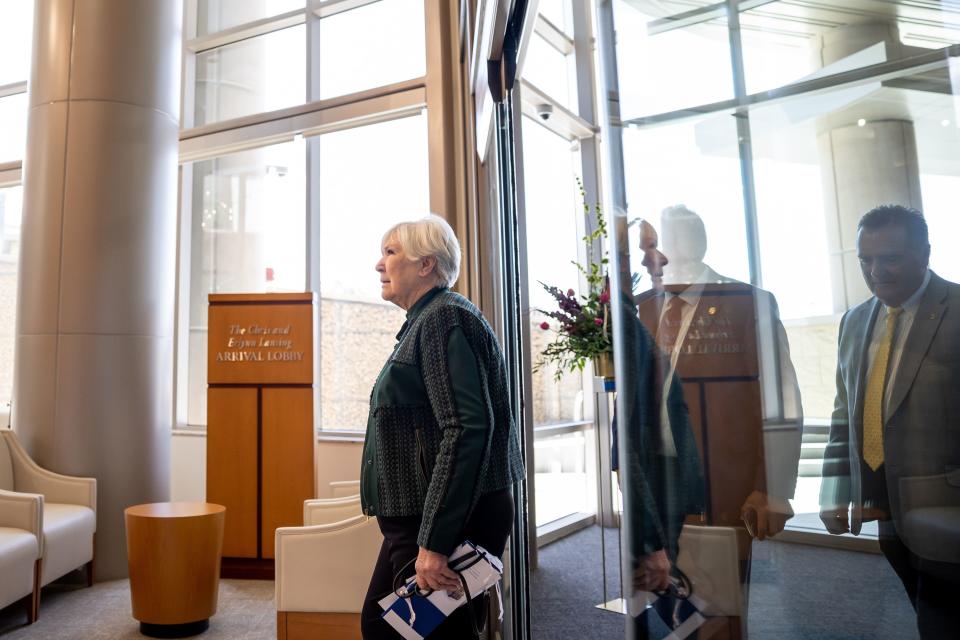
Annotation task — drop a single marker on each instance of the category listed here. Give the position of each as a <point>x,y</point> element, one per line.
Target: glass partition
<point>673,64</point>
<point>784,358</point>
<point>785,42</point>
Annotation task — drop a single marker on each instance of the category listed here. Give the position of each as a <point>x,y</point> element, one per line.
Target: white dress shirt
<point>691,297</point>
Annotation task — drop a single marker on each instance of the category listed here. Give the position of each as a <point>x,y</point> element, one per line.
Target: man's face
<point>892,266</point>
<point>653,260</point>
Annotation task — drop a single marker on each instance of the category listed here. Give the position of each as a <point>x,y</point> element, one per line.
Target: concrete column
<point>93,372</point>
<point>863,164</point>
<point>862,167</point>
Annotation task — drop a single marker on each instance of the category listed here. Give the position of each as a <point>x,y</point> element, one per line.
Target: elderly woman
<point>441,451</point>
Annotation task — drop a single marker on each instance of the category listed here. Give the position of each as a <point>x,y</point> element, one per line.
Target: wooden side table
<point>173,552</point>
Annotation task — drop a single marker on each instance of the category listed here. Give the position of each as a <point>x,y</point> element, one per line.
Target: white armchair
<point>344,488</point>
<point>323,569</point>
<point>69,517</point>
<point>330,510</point>
<point>21,544</point>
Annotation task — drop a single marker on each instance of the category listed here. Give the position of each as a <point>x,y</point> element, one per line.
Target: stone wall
<point>813,350</point>
<point>553,401</point>
<point>356,339</point>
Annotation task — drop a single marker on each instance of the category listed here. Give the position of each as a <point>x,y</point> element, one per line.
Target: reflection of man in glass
<point>663,482</point>
<point>724,343</point>
<point>894,449</point>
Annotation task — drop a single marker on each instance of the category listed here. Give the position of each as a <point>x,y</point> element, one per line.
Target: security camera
<point>545,111</point>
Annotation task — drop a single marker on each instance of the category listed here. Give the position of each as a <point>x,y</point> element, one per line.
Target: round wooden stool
<point>173,551</point>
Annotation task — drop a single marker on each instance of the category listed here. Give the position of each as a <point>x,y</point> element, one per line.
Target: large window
<point>16,33</point>
<point>374,45</point>
<point>282,199</point>
<point>254,57</point>
<point>264,73</point>
<point>369,179</point>
<point>247,222</point>
<point>553,132</point>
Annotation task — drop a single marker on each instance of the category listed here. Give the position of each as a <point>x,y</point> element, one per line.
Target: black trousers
<point>489,526</point>
<point>933,587</point>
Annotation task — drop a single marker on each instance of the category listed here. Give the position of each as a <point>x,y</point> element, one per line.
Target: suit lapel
<point>924,328</point>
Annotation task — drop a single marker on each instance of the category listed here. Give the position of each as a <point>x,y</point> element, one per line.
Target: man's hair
<point>683,230</point>
<point>909,219</point>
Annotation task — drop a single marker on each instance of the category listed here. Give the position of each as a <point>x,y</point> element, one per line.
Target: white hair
<point>429,237</point>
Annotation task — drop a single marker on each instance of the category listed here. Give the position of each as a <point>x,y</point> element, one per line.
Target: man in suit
<point>894,448</point>
<point>725,342</point>
<point>665,486</point>
<point>722,340</point>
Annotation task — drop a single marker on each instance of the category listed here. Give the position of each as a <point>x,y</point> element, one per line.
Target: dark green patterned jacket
<point>440,432</point>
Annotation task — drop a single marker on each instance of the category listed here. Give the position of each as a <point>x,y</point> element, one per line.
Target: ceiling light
<point>861,122</point>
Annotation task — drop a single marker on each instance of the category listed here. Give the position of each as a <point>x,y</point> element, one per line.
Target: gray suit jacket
<point>921,430</point>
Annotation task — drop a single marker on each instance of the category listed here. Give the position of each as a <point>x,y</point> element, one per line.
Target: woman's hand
<point>653,574</point>
<point>433,572</point>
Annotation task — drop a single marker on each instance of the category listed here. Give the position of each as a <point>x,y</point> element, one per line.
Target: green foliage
<point>582,322</point>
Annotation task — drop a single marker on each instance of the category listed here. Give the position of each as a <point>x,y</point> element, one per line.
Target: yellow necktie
<point>873,403</point>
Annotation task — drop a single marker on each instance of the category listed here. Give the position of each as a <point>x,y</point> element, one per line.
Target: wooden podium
<point>719,369</point>
<point>260,426</point>
<point>718,366</point>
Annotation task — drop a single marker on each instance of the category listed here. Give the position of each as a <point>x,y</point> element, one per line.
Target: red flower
<point>605,297</point>
<point>598,321</point>
<point>571,293</point>
<point>544,325</point>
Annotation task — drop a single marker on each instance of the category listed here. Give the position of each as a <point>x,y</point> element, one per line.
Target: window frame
<point>409,97</point>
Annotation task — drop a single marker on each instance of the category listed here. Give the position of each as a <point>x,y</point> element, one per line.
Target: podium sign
<point>260,427</point>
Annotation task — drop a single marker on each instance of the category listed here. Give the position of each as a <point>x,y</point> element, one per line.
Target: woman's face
<point>402,280</point>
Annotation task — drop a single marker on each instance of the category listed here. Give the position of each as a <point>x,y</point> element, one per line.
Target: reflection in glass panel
<point>13,123</point>
<point>371,46</point>
<point>864,453</point>
<point>551,71</point>
<point>670,68</point>
<point>218,15</point>
<point>16,36</point>
<point>821,162</point>
<point>370,178</point>
<point>788,41</point>
<point>556,12</point>
<point>553,233</point>
<point>709,184</point>
<point>260,74</point>
<point>11,203</point>
<point>561,476</point>
<point>248,229</point>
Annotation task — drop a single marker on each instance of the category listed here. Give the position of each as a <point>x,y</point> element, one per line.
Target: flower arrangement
<point>583,331</point>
